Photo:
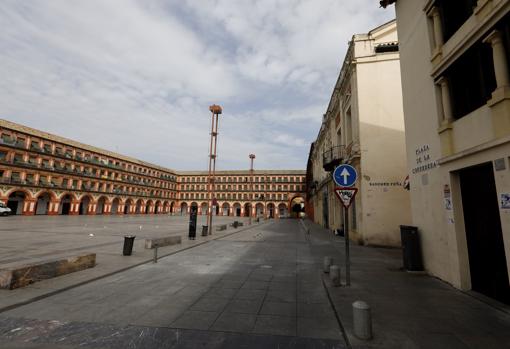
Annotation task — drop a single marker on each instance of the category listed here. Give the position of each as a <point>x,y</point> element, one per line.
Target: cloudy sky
<point>137,77</point>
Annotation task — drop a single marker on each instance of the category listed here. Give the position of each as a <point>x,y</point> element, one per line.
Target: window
<point>30,178</point>
<point>16,177</point>
<point>34,145</point>
<point>3,155</point>
<point>471,80</point>
<point>454,14</point>
<point>20,142</point>
<point>43,180</point>
<point>7,138</point>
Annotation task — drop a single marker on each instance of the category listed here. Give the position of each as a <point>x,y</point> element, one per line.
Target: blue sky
<point>137,77</point>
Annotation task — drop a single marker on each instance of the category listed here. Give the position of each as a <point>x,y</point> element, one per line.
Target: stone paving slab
<point>409,310</point>
<point>198,298</point>
<point>37,334</point>
<point>225,286</point>
<point>72,234</point>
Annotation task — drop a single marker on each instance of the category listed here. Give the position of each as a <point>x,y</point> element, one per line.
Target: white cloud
<point>137,77</point>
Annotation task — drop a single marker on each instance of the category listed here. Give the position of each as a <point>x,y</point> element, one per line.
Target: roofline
<point>9,125</point>
<point>385,3</point>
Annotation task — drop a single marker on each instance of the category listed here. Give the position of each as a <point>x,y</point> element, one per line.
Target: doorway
<point>486,252</point>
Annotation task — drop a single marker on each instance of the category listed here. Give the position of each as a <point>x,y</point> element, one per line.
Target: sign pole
<point>347,252</point>
<point>345,177</point>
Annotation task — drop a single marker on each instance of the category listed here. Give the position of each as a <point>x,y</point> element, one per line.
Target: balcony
<point>333,157</point>
<point>7,140</point>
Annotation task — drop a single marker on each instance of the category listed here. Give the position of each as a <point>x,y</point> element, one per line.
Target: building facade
<point>364,127</point>
<point>456,88</point>
<point>269,194</point>
<point>43,174</point>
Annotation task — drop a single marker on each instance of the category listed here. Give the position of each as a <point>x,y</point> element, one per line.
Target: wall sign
<point>423,160</point>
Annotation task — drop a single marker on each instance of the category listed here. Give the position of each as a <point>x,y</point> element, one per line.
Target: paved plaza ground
<point>262,287</point>
<point>31,239</point>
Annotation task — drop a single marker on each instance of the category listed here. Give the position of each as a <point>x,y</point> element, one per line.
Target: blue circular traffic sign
<point>345,175</point>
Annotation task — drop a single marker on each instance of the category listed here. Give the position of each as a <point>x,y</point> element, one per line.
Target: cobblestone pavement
<point>259,288</point>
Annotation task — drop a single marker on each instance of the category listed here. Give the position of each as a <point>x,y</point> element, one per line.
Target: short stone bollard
<point>362,319</point>
<point>334,275</point>
<point>327,263</point>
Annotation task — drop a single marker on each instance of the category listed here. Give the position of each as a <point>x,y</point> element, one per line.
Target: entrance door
<point>66,208</point>
<point>487,261</point>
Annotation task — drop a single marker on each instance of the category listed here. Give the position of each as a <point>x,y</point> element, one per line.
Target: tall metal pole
<point>252,157</point>
<point>347,252</point>
<point>215,110</point>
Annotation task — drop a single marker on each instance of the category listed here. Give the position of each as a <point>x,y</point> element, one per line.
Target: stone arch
<point>271,211</point>
<point>148,206</point>
<point>116,202</point>
<point>139,206</point>
<point>184,208</point>
<point>172,206</point>
<point>297,206</point>
<point>65,206</point>
<point>158,207</point>
<point>283,210</point>
<point>247,209</point>
<point>166,207</point>
<point>43,201</point>
<point>127,206</point>
<point>236,209</point>
<point>101,205</point>
<point>203,208</point>
<point>85,204</point>
<point>225,209</point>
<point>16,200</point>
<point>259,209</point>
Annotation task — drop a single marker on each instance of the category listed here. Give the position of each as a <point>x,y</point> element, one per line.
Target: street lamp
<point>216,111</point>
<point>252,157</point>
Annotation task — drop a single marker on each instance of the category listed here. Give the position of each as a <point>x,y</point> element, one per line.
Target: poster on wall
<point>447,197</point>
<point>505,201</point>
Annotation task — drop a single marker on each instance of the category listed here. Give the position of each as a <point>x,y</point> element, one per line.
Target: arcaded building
<point>270,194</point>
<point>455,62</point>
<point>364,126</point>
<point>44,174</point>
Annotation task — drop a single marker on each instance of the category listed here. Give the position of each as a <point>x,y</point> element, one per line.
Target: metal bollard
<point>334,275</point>
<point>327,263</point>
<point>362,319</point>
<point>155,253</point>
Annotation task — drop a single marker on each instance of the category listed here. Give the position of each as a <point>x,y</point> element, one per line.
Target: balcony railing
<point>333,157</point>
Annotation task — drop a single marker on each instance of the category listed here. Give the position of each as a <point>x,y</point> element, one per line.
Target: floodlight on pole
<point>216,111</point>
<point>252,157</point>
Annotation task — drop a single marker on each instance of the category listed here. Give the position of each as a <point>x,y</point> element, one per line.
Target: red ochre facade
<point>45,174</point>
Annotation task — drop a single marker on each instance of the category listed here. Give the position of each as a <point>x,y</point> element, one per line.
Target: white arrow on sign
<point>345,174</point>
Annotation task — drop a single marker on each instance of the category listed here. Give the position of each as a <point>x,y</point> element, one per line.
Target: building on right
<point>454,58</point>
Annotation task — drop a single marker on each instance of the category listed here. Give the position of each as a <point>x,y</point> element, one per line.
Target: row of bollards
<point>361,313</point>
